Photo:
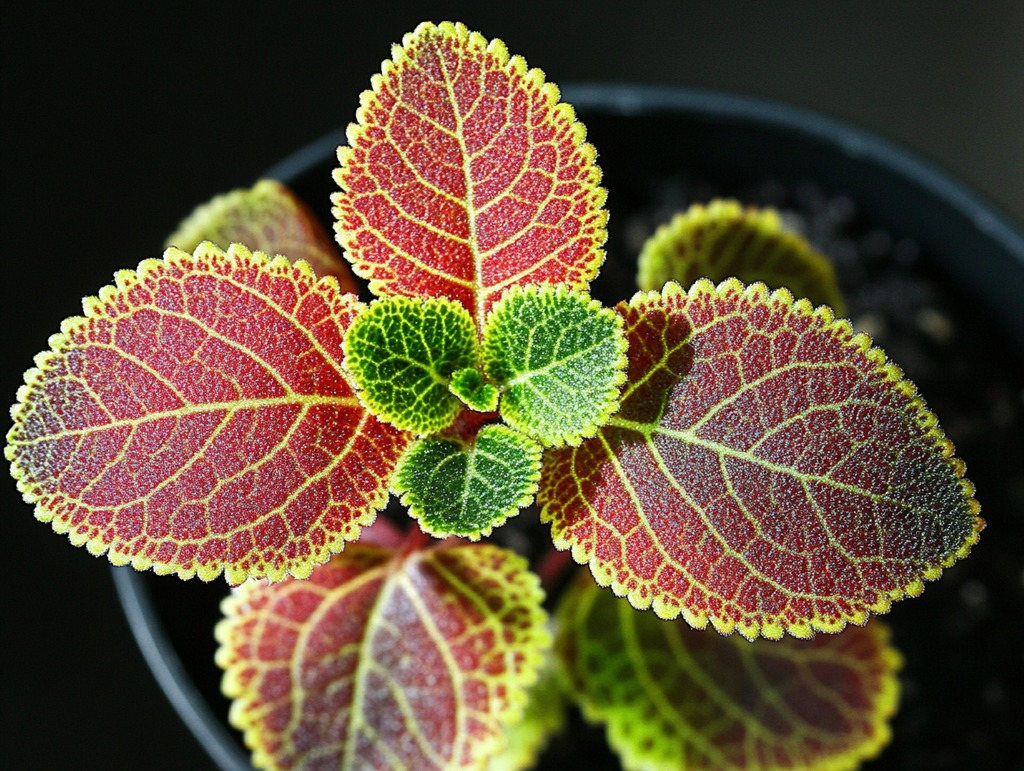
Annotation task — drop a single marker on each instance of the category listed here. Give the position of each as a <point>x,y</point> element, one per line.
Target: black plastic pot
<point>959,639</point>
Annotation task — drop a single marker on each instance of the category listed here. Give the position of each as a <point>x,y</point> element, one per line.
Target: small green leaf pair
<point>550,360</point>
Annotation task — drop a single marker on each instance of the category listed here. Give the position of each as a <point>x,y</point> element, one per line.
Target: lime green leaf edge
<point>926,420</point>
<point>403,485</point>
<point>595,713</point>
<point>653,266</point>
<point>608,402</point>
<point>534,650</point>
<point>435,406</point>
<point>96,307</point>
<point>516,64</point>
<point>543,717</point>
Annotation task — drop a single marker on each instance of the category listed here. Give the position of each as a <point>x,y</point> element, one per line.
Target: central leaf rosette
<point>549,361</point>
<point>470,202</point>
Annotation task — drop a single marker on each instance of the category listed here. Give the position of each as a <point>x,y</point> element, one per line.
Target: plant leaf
<point>465,176</point>
<point>558,357</point>
<point>724,239</point>
<point>543,717</point>
<point>402,354</point>
<point>454,488</point>
<point>197,419</point>
<point>673,697</point>
<point>768,470</point>
<point>270,218</point>
<point>384,659</point>
<point>468,384</point>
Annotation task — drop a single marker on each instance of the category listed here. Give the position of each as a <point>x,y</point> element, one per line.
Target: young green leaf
<point>672,697</point>
<point>768,471</point>
<point>454,488</point>
<point>384,659</point>
<point>558,357</point>
<point>402,354</point>
<point>723,239</point>
<point>469,385</point>
<point>197,419</point>
<point>465,176</point>
<point>269,218</point>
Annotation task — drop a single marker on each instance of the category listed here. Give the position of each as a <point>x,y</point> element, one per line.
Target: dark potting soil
<point>963,639</point>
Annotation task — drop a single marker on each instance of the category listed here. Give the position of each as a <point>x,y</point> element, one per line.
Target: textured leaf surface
<point>384,660</point>
<point>724,239</point>
<point>464,176</point>
<point>455,488</point>
<point>558,357</point>
<point>767,471</point>
<point>673,697</point>
<point>269,218</point>
<point>197,420</point>
<point>402,354</point>
<point>543,718</point>
<point>469,385</point>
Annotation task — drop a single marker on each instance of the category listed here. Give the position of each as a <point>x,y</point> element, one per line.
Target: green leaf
<point>468,384</point>
<point>461,489</point>
<point>402,353</point>
<point>558,357</point>
<point>724,239</point>
<point>673,697</point>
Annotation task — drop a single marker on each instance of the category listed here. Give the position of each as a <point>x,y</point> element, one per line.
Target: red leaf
<point>465,176</point>
<point>384,659</point>
<point>198,420</point>
<point>768,470</point>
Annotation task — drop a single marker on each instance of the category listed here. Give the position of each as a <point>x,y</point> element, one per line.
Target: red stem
<point>415,540</point>
<point>551,566</point>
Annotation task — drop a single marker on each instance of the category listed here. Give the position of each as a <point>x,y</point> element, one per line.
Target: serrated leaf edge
<point>612,398</point>
<point>512,65</point>
<point>880,734</point>
<point>535,650</point>
<point>96,307</point>
<point>381,410</point>
<point>407,498</point>
<point>764,220</point>
<point>916,409</point>
<point>197,220</point>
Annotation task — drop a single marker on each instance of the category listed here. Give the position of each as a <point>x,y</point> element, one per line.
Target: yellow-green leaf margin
<point>724,239</point>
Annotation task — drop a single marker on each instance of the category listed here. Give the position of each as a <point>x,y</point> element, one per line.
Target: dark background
<point>118,121</point>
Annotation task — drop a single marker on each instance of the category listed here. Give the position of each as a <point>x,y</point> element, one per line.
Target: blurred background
<point>118,121</point>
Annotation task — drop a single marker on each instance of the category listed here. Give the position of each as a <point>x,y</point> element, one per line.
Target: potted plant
<point>478,362</point>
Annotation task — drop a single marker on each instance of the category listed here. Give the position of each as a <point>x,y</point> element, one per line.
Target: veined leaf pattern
<point>402,354</point>
<point>465,176</point>
<point>768,470</point>
<point>197,420</point>
<point>467,489</point>
<point>673,697</point>
<point>384,659</point>
<point>543,718</point>
<point>270,218</point>
<point>558,357</point>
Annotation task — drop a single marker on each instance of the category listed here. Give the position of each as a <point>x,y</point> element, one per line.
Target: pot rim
<point>624,100</point>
